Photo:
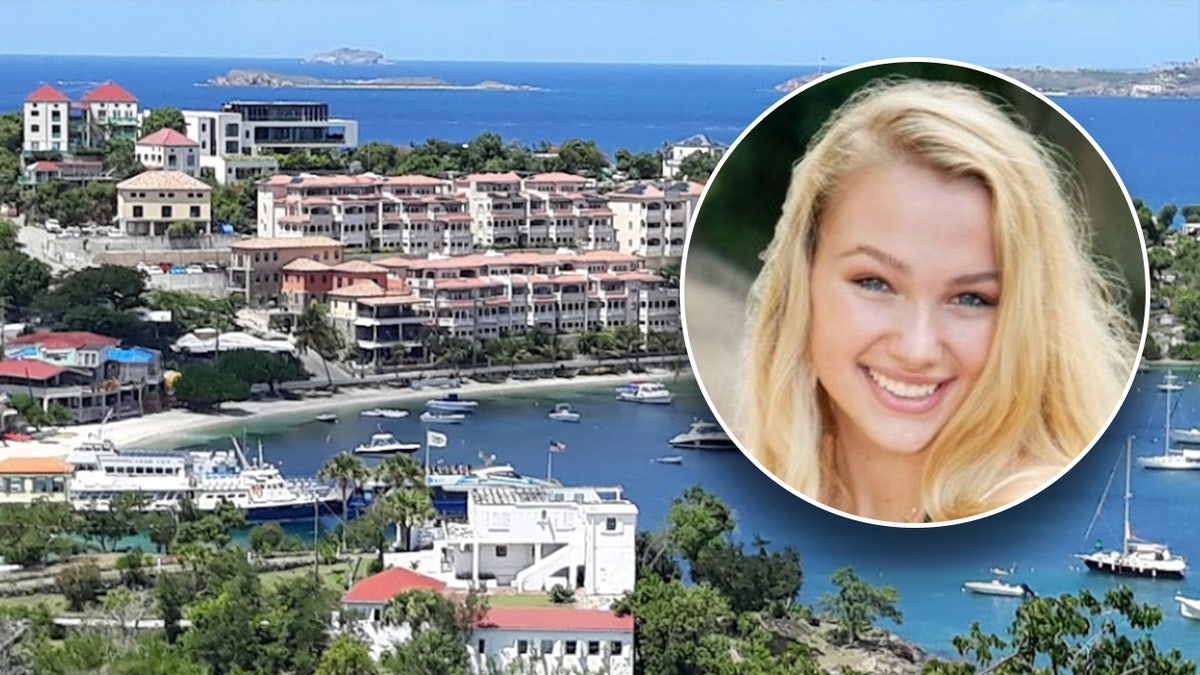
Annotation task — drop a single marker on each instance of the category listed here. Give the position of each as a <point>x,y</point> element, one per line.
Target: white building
<point>651,219</point>
<point>545,638</point>
<point>46,115</point>
<point>681,150</point>
<point>110,112</point>
<point>170,150</point>
<point>218,136</point>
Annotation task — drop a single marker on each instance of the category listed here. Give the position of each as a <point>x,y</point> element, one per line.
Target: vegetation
<point>314,332</point>
<point>203,387</point>
<point>164,118</point>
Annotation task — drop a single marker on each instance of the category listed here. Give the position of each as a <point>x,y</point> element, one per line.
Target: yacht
<point>703,436</point>
<point>451,403</point>
<point>328,418</point>
<point>644,392</point>
<point>1190,436</point>
<point>1169,383</point>
<point>997,587</point>
<point>206,478</point>
<point>1137,557</point>
<point>384,443</point>
<point>563,413</point>
<point>430,417</point>
<point>385,412</point>
<point>1172,459</point>
<point>1189,607</point>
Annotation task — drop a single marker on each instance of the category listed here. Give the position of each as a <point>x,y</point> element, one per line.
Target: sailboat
<point>1169,383</point>
<point>1137,557</point>
<point>1175,459</point>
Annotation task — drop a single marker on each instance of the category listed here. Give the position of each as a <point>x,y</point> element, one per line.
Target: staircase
<point>533,578</point>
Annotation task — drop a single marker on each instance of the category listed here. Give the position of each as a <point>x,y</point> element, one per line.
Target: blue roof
<point>131,355</point>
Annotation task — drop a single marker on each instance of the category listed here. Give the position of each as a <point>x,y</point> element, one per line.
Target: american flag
<point>555,446</point>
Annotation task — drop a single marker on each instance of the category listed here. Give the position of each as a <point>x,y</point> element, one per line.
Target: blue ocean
<point>638,107</point>
<point>1152,143</point>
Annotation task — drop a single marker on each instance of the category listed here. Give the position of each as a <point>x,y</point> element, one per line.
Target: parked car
<point>195,269</point>
<point>211,267</point>
<point>178,269</point>
<point>53,226</point>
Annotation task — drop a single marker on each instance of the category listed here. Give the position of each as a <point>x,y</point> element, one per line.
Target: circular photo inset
<point>914,292</point>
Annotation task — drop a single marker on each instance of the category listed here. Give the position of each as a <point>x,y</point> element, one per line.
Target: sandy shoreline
<point>156,428</point>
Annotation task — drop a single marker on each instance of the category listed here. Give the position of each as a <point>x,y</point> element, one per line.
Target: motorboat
<point>384,443</point>
<point>1191,436</point>
<point>430,417</point>
<point>703,436</point>
<point>1170,383</point>
<point>997,587</point>
<point>385,412</point>
<point>328,418</point>
<point>671,459</point>
<point>1137,557</point>
<point>644,392</point>
<point>1171,459</point>
<point>1189,607</point>
<point>451,403</point>
<point>563,413</point>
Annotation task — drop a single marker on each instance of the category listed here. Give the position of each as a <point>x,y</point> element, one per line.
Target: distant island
<point>262,78</point>
<point>1176,80</point>
<point>345,56</point>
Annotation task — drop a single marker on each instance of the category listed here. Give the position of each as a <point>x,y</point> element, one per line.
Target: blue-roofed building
<point>86,373</point>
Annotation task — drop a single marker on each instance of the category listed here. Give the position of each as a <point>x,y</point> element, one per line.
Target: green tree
<point>347,656</point>
<point>641,165</point>
<point>266,538</point>
<point>10,177</point>
<point>399,471</point>
<point>236,204</point>
<point>254,367</point>
<point>1191,213</point>
<point>676,626</point>
<point>314,333</point>
<point>375,157</point>
<point>203,387</point>
<point>856,604</point>
<point>578,156</point>
<point>132,566</point>
<point>101,200</point>
<point>164,118</point>
<point>1071,634</point>
<point>430,652</point>
<point>161,529</point>
<point>348,472</point>
<point>298,625</point>
<point>111,286</point>
<point>226,627</point>
<point>698,166</point>
<point>120,520</point>
<point>121,159</point>
<point>80,584</point>
<point>171,595</point>
<point>763,582</point>
<point>12,132</point>
<point>696,521</point>
<point>30,534</point>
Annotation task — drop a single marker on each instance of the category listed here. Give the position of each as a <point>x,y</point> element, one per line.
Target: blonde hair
<point>1062,351</point>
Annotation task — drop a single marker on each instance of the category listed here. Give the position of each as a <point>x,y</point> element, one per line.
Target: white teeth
<point>902,389</point>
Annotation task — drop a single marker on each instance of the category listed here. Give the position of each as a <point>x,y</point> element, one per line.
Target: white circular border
<point>688,245</point>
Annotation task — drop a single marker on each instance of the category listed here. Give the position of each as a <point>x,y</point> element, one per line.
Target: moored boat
<point>385,412</point>
<point>1191,436</point>
<point>670,459</point>
<point>1189,607</point>
<point>703,436</point>
<point>644,392</point>
<point>328,418</point>
<point>997,587</point>
<point>384,443</point>
<point>430,417</point>
<point>563,413</point>
<point>451,403</point>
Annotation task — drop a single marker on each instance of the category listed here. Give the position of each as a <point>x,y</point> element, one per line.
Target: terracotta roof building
<point>26,479</point>
<point>149,203</point>
<point>170,150</point>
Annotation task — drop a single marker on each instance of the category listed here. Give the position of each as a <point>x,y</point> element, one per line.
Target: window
<point>137,212</point>
<point>569,647</point>
<point>593,648</point>
<point>195,211</point>
<point>522,646</point>
<point>615,647</point>
<point>547,646</point>
<point>482,647</point>
<point>166,211</point>
<point>501,551</point>
<point>35,128</point>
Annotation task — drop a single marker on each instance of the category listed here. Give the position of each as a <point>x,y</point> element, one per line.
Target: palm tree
<point>348,471</point>
<point>628,340</point>
<point>407,507</point>
<point>400,471</point>
<point>421,609</point>
<point>314,332</point>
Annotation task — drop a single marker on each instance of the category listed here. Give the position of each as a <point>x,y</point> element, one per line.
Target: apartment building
<point>46,117</point>
<point>150,202</point>
<point>262,128</point>
<point>109,112</point>
<point>169,150</point>
<point>256,265</point>
<point>681,150</point>
<point>74,171</point>
<point>564,212</point>
<point>413,215</point>
<point>86,373</point>
<point>651,220</point>
<point>218,138</point>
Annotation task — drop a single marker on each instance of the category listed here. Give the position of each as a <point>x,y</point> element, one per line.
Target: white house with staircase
<point>535,538</point>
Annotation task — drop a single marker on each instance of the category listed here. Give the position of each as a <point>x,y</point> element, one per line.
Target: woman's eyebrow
<point>901,266</point>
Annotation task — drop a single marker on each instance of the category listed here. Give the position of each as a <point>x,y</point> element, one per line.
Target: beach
<point>158,427</point>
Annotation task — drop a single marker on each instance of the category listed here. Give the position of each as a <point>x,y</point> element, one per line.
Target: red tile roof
<point>32,369</point>
<point>64,340</point>
<point>32,466</point>
<point>43,166</point>
<point>555,619</point>
<point>47,94</point>
<point>168,137</point>
<point>379,588</point>
<point>109,92</point>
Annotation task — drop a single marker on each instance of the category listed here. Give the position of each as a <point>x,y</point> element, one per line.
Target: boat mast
<point>1167,430</point>
<point>1128,489</point>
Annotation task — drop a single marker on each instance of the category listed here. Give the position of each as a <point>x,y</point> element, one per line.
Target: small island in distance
<point>347,56</point>
<point>1174,80</point>
<point>261,78</point>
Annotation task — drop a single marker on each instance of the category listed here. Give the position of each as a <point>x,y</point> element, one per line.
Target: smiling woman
<point>929,337</point>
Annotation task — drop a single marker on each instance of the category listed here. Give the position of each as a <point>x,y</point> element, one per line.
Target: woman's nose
<point>916,342</point>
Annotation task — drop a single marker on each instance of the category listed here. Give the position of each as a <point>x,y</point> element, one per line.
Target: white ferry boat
<point>644,392</point>
<point>207,478</point>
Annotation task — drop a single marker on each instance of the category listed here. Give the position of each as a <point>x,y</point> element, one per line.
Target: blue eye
<point>971,300</point>
<point>873,284</point>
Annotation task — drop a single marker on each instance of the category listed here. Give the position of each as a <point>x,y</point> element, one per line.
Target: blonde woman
<point>930,338</point>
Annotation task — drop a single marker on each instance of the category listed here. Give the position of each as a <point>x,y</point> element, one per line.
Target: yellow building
<point>150,202</point>
<point>24,480</point>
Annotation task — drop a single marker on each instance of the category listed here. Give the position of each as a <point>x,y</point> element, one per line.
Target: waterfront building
<point>46,118</point>
<point>86,373</point>
<point>558,639</point>
<point>74,171</point>
<point>257,128</point>
<point>24,480</point>
<point>651,219</point>
<point>564,211</point>
<point>150,202</point>
<point>170,150</point>
<point>681,150</point>
<point>256,265</point>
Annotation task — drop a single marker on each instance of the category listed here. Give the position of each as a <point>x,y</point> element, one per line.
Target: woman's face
<point>905,294</point>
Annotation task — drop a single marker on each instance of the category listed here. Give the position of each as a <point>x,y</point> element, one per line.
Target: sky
<point>1097,33</point>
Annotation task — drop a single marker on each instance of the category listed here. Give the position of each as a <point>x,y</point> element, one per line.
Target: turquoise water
<point>615,443</point>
